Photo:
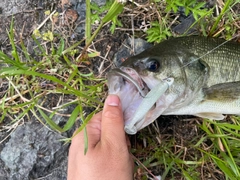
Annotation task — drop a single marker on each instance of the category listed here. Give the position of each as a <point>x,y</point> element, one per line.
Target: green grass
<point>57,69</point>
<point>213,151</point>
<point>29,80</point>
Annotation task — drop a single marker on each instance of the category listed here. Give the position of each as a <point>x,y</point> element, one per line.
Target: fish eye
<point>153,65</point>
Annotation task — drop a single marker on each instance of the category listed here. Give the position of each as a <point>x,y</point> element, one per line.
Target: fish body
<point>206,79</point>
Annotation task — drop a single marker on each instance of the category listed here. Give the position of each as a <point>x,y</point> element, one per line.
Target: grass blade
<point>85,141</point>
<point>72,119</point>
<point>50,122</point>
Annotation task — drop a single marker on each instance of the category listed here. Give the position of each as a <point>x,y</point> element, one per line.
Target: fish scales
<point>224,61</point>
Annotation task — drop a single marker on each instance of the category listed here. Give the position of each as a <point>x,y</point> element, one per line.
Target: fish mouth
<point>138,104</point>
<point>128,75</point>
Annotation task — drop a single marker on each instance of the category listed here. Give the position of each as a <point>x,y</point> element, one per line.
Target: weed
<point>190,6</point>
<point>111,16</point>
<point>39,79</point>
<point>158,32</point>
<point>225,137</point>
<point>98,11</point>
<point>161,29</point>
<point>57,72</point>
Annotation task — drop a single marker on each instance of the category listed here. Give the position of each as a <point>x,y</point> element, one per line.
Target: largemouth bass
<point>205,74</point>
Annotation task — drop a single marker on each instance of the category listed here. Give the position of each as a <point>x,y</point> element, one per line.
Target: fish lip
<point>124,73</point>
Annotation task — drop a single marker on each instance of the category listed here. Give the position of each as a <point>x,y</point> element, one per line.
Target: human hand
<point>107,157</point>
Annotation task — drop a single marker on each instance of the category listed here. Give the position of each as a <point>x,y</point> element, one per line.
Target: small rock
<point>99,2</point>
<point>11,7</point>
<point>185,26</point>
<point>126,50</point>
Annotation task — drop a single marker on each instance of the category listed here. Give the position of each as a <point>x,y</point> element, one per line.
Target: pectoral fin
<point>220,99</point>
<point>209,115</point>
<point>224,92</point>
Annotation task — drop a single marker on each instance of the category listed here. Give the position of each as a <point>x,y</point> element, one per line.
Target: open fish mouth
<point>138,100</point>
<point>127,75</point>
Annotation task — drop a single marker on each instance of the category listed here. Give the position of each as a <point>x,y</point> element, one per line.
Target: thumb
<point>112,122</point>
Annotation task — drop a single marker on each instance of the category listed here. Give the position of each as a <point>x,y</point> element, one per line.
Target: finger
<point>112,122</point>
<point>93,134</point>
<point>94,130</point>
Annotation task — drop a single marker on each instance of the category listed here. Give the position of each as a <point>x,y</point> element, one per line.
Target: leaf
<point>48,36</point>
<point>47,12</point>
<point>51,78</point>
<point>114,10</point>
<point>50,122</point>
<point>61,47</point>
<point>85,141</point>
<point>72,119</point>
<point>37,33</point>
<point>223,166</point>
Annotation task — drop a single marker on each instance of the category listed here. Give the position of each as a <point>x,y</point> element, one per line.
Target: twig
<point>45,20</point>
<point>154,177</point>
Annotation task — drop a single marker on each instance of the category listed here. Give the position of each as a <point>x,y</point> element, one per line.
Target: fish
<point>204,75</point>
